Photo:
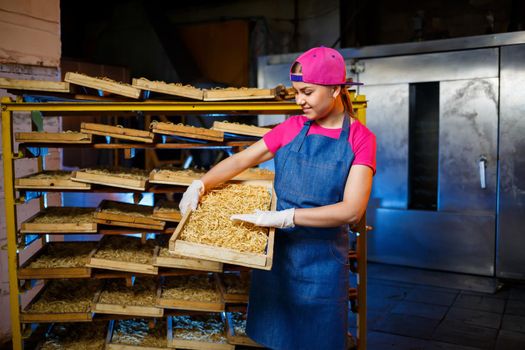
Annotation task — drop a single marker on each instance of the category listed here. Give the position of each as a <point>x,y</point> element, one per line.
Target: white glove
<point>190,198</point>
<point>279,219</point>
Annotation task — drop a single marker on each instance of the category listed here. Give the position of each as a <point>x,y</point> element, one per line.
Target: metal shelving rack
<point>140,108</point>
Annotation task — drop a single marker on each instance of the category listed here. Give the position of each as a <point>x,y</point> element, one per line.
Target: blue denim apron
<point>302,303</point>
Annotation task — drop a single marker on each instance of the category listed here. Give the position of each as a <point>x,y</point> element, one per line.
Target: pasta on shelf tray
<point>137,333</point>
<point>193,332</point>
<point>78,336</point>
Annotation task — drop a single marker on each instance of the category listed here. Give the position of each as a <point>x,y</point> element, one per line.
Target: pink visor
<point>322,66</point>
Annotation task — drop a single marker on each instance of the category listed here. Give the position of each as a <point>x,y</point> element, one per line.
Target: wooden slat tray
<point>30,226</point>
<point>180,262</point>
<point>187,131</point>
<point>112,307</point>
<point>101,261</point>
<point>167,211</point>
<point>111,179</point>
<point>77,286</point>
<point>240,129</point>
<point>56,179</point>
<point>34,85</point>
<point>179,343</point>
<point>235,338</point>
<point>117,132</point>
<point>170,302</point>
<point>90,335</point>
<point>169,89</point>
<point>235,296</point>
<point>228,94</point>
<point>179,177</point>
<point>123,214</point>
<point>104,84</point>
<point>221,254</point>
<point>58,250</point>
<point>53,137</point>
<point>138,327</point>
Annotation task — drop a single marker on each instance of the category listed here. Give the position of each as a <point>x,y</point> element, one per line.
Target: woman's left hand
<point>279,219</point>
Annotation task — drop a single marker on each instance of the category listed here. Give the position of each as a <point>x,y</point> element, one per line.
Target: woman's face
<point>317,101</point>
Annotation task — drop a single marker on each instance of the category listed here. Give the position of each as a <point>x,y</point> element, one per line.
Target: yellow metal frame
<point>267,107</point>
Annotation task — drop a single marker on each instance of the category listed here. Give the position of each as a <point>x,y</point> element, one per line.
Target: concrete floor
<point>442,311</point>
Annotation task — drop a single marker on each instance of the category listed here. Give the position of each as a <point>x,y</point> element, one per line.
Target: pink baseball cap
<point>322,66</point>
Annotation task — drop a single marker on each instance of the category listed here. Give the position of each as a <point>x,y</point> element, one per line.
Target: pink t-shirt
<point>362,140</point>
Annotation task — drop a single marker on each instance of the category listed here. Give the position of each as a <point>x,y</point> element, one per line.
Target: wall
<point>29,49</point>
<point>149,37</point>
<point>30,32</point>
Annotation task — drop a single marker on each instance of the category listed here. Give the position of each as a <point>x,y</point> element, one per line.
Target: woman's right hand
<point>190,198</point>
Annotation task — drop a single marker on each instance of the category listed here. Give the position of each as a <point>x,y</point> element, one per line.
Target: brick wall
<point>29,49</point>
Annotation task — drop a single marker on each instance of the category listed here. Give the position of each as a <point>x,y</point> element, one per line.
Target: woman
<point>324,164</point>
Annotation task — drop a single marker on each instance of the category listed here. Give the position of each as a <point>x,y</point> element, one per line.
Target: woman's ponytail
<point>347,101</point>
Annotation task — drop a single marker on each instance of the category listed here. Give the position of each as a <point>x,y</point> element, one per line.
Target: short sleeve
<point>363,143</point>
<point>282,134</point>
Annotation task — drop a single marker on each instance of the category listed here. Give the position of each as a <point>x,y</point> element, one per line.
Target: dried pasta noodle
<point>192,287</point>
<point>63,255</point>
<point>65,215</point>
<point>209,328</point>
<point>168,207</point>
<point>125,173</point>
<point>126,209</point>
<point>51,175</point>
<point>239,323</point>
<point>142,293</point>
<point>210,224</point>
<point>180,172</point>
<point>172,84</point>
<point>76,336</point>
<point>61,296</point>
<point>154,123</point>
<point>165,253</point>
<point>137,332</point>
<point>128,249</point>
<point>234,284</point>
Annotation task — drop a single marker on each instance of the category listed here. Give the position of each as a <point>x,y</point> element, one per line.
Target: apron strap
<point>296,146</point>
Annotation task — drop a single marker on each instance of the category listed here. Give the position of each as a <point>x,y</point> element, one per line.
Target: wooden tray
<point>127,220</point>
<point>116,265</point>
<point>53,137</point>
<point>67,227</point>
<point>31,317</point>
<point>117,132</point>
<point>128,310</point>
<point>27,272</point>
<point>31,182</point>
<point>111,180</point>
<point>104,84</point>
<point>173,215</point>
<point>240,129</point>
<point>158,177</point>
<point>228,94</point>
<point>180,262</point>
<point>187,131</point>
<point>191,305</point>
<point>169,89</point>
<point>234,298</point>
<point>173,342</point>
<point>225,255</point>
<point>61,335</point>
<point>34,85</point>
<point>120,346</point>
<point>237,339</point>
